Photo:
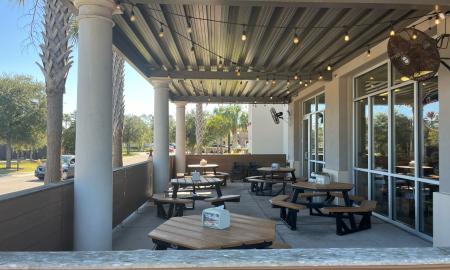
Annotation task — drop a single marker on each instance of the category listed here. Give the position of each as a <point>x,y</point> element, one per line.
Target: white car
<point>67,168</point>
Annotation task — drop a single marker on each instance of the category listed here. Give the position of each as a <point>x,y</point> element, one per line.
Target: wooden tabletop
<point>187,181</point>
<point>279,170</point>
<point>188,232</point>
<point>203,166</point>
<point>335,186</point>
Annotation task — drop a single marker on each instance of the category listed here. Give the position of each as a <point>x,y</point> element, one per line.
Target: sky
<point>18,57</point>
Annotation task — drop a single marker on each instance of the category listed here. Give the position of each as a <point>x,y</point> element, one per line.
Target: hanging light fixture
<point>437,20</point>
<point>296,76</point>
<point>238,72</point>
<point>329,68</point>
<point>392,32</point>
<point>244,35</point>
<point>347,36</point>
<point>161,32</point>
<point>320,76</point>
<point>296,39</point>
<point>132,17</point>
<point>271,97</point>
<point>300,82</point>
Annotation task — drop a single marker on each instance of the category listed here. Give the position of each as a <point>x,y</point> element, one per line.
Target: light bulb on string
<point>220,64</point>
<point>414,35</point>
<point>132,17</point>
<point>329,67</point>
<point>296,76</point>
<point>320,77</point>
<point>267,81</point>
<point>300,82</point>
<point>392,32</point>
<point>437,20</point>
<point>347,36</point>
<point>244,35</point>
<point>238,72</point>
<point>161,32</point>
<point>368,51</point>
<point>287,91</point>
<point>273,81</point>
<point>296,39</point>
<point>118,6</point>
<point>288,82</point>
<point>257,77</point>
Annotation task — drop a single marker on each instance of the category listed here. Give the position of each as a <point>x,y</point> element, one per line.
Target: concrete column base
<point>441,219</point>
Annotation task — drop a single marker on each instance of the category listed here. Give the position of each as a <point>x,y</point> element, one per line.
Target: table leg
<point>215,171</point>
<point>294,179</point>
<point>172,206</point>
<point>348,203</point>
<point>160,245</point>
<point>218,191</point>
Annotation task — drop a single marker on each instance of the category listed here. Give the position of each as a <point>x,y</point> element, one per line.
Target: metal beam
<point>218,75</point>
<point>383,4</point>
<point>240,100</point>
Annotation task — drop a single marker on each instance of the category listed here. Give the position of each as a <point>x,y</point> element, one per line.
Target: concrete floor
<point>312,231</point>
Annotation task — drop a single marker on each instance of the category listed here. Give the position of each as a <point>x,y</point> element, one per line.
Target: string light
<point>220,64</point>
<point>133,17</point>
<point>267,81</point>
<point>271,97</point>
<point>368,51</point>
<point>320,77</point>
<point>161,33</point>
<point>437,20</point>
<point>244,35</point>
<point>273,81</point>
<point>306,84</point>
<point>288,82</point>
<point>300,82</point>
<point>392,32</point>
<point>238,72</point>
<point>296,39</point>
<point>241,82</point>
<point>118,6</point>
<point>296,76</point>
<point>288,91</point>
<point>329,67</point>
<point>257,77</point>
<point>414,35</point>
<point>347,36</point>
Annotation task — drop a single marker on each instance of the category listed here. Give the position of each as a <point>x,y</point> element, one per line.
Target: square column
<point>161,136</point>
<point>180,151</point>
<point>441,199</point>
<point>93,175</point>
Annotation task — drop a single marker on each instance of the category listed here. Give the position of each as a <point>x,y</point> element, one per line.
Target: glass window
<point>380,191</point>
<point>429,126</point>
<point>361,128</point>
<point>361,180</point>
<point>372,81</point>
<point>404,203</point>
<point>403,139</point>
<point>426,207</point>
<point>320,136</point>
<point>313,137</point>
<point>398,78</point>
<point>321,102</point>
<point>310,106</point>
<point>380,112</point>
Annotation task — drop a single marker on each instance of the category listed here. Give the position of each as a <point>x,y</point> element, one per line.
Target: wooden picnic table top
<point>188,232</point>
<point>193,166</point>
<point>204,181</point>
<point>279,170</point>
<point>334,186</point>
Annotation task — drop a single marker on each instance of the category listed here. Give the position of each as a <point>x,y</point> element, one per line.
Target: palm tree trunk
<point>118,107</point>
<point>8,154</point>
<point>55,66</point>
<point>54,129</point>
<point>199,128</point>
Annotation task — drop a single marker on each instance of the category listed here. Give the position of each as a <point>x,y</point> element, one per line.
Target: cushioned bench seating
<point>176,205</point>
<point>365,210</point>
<point>288,210</point>
<point>217,201</point>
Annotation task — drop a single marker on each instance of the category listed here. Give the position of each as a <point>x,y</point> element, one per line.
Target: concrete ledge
<point>441,219</point>
<point>389,258</point>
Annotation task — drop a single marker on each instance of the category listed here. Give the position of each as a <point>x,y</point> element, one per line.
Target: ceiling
<point>266,60</point>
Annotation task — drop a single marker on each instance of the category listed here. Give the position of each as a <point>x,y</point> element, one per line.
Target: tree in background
<point>135,131</point>
<point>172,129</point>
<point>68,134</point>
<point>22,113</point>
<point>190,131</point>
<point>232,116</point>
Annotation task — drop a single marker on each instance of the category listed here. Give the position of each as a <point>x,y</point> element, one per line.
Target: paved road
<point>20,181</point>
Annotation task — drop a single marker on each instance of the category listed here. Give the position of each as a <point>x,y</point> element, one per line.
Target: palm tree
<point>199,127</point>
<point>118,107</point>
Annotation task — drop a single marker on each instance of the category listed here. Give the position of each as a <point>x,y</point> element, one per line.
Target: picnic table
<point>270,176</point>
<point>301,187</point>
<point>186,182</point>
<point>203,168</point>
<point>188,233</point>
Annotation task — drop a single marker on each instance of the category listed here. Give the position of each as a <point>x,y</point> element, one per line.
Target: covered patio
<point>328,61</point>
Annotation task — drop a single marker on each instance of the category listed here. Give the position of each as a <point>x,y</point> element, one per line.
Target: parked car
<point>67,168</point>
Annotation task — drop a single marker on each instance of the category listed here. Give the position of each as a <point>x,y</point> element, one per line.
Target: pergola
<point>193,51</point>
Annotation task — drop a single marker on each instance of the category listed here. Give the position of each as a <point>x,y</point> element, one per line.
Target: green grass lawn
<point>24,166</point>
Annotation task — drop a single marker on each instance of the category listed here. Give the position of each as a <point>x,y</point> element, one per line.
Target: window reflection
<point>404,207</point>
<point>429,126</point>
<point>372,81</point>
<point>426,207</point>
<point>361,180</point>
<point>380,111</point>
<point>398,78</point>
<point>361,128</point>
<point>403,116</point>
<point>320,136</point>
<point>380,191</point>
<point>310,106</point>
<point>321,102</point>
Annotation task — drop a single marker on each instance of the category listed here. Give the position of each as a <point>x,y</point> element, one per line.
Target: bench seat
<point>353,198</point>
<point>177,204</point>
<point>218,201</point>
<point>365,210</point>
<point>288,210</point>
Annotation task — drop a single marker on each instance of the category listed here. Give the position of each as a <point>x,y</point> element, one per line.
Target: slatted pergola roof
<point>202,64</point>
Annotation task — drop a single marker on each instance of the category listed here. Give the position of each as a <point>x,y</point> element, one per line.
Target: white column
<point>161,136</point>
<point>441,199</point>
<point>93,174</point>
<point>180,152</point>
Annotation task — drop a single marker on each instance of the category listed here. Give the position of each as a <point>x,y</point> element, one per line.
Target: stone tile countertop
<point>147,259</point>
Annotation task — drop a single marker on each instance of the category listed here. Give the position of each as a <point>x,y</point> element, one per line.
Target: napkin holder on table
<point>203,162</point>
<point>216,218</point>
<point>195,176</point>
<point>275,166</point>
